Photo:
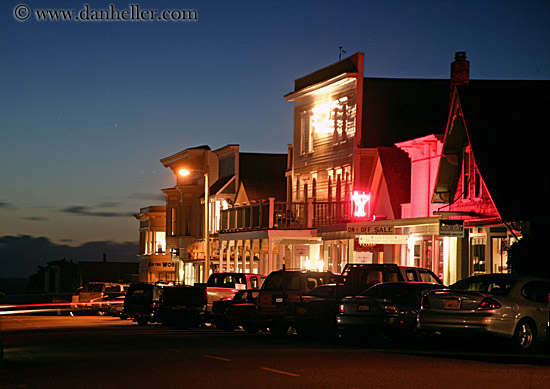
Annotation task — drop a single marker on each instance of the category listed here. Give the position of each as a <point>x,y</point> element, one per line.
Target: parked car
<point>241,310</point>
<point>282,291</point>
<point>506,305</point>
<point>141,302</point>
<point>182,306</point>
<point>316,314</point>
<point>387,308</point>
<point>92,295</point>
<point>360,276</point>
<point>114,306</point>
<point>220,286</point>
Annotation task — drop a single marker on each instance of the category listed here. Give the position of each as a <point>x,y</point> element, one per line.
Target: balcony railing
<point>282,215</point>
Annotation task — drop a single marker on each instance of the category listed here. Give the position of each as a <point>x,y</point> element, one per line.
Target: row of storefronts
<point>378,171</point>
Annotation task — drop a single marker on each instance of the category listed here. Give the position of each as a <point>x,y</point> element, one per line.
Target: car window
<point>427,277</point>
<point>254,282</point>
<point>273,282</point>
<point>294,282</point>
<point>536,291</point>
<point>493,285</point>
<point>411,275</point>
<point>95,287</point>
<point>112,289</point>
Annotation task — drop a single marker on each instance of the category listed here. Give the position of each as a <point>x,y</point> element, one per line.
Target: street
<point>101,351</point>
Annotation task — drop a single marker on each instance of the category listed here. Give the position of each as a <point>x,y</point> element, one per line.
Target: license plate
<point>452,304</point>
<point>363,308</point>
<point>278,300</point>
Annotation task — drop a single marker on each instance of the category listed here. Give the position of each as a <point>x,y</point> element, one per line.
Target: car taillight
<point>488,304</point>
<point>342,310</point>
<point>390,309</point>
<point>424,304</point>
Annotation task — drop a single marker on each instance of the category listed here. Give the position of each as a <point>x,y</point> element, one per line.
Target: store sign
<point>451,228</point>
<point>161,264</point>
<point>361,204</point>
<point>358,247</point>
<point>365,229</point>
<point>383,239</point>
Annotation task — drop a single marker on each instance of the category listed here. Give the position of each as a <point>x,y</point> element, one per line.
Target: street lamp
<point>183,173</point>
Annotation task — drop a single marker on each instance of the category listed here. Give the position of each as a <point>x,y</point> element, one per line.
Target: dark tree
<point>528,256</point>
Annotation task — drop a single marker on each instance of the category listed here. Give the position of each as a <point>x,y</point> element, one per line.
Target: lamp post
<point>185,172</point>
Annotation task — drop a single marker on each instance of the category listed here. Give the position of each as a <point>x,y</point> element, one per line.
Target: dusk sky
<point>88,109</point>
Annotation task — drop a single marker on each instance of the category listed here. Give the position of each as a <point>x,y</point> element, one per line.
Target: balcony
<point>272,214</point>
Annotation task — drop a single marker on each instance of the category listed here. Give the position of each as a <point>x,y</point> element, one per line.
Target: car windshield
<point>492,285</point>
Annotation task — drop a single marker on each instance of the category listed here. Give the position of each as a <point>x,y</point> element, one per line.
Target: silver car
<point>507,305</point>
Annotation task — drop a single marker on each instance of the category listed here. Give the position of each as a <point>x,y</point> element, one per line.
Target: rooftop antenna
<point>341,52</point>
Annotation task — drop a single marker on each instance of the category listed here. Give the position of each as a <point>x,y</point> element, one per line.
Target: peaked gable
<point>504,123</point>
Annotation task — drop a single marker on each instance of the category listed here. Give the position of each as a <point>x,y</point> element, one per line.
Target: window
<point>254,282</point>
<point>306,134</point>
<point>466,174</point>
<point>536,291</point>
<point>297,188</point>
<point>294,283</point>
<point>314,188</point>
<point>478,255</point>
<point>339,117</point>
<point>173,221</point>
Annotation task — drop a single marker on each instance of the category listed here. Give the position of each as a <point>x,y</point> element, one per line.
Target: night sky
<point>87,109</point>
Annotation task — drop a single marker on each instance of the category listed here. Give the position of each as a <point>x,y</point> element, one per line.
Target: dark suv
<point>282,291</point>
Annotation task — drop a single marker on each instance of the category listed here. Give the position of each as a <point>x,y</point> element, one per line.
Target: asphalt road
<point>105,352</point>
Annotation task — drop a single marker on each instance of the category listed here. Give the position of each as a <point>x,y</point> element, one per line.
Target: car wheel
<point>278,329</point>
<point>524,336</point>
<point>142,321</point>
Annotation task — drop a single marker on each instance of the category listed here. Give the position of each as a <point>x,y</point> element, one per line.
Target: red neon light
<point>360,202</point>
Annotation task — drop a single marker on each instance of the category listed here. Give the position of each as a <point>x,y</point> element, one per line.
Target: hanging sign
<point>383,239</point>
<point>451,228</point>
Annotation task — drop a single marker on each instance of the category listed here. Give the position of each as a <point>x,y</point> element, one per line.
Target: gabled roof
<point>396,110</point>
<point>262,166</point>
<point>507,123</point>
<point>258,189</point>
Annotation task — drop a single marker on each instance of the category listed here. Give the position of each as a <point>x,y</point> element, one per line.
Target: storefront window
<point>478,255</point>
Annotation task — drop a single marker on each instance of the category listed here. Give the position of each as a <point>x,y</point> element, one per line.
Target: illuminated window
<point>329,187</point>
<point>173,221</point>
<point>306,134</point>
<point>466,174</point>
<point>314,186</point>
<point>339,116</point>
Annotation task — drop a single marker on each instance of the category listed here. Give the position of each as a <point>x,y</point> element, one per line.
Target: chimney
<point>460,70</point>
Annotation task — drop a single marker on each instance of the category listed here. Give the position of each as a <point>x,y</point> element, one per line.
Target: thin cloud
<point>36,218</point>
<point>6,205</point>
<point>88,211</point>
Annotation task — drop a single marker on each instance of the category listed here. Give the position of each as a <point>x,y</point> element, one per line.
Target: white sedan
<point>507,305</point>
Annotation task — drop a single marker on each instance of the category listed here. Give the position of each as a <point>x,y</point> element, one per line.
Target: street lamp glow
<point>184,172</point>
